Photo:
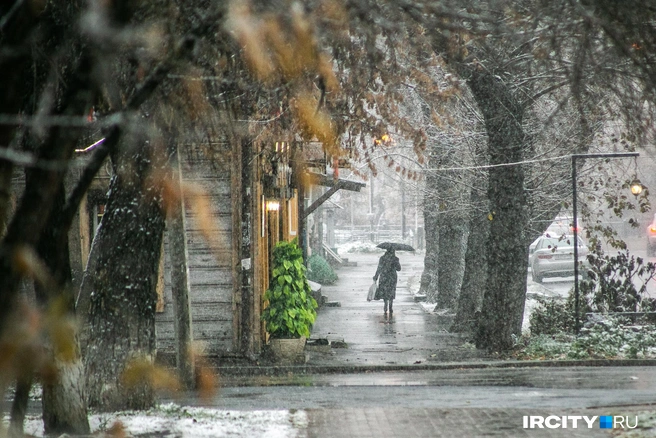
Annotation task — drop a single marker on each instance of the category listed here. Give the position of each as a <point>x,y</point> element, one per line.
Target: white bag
<point>372,291</point>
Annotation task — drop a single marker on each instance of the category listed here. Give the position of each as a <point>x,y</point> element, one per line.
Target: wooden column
<point>180,278</point>
<point>239,326</point>
<point>259,251</point>
<point>246,224</point>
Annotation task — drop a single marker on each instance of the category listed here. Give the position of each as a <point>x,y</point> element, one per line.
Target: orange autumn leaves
<point>284,48</point>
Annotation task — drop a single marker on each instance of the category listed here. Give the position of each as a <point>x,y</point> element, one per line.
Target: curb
<point>248,371</point>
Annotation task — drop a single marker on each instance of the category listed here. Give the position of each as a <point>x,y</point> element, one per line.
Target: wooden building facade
<point>236,209</point>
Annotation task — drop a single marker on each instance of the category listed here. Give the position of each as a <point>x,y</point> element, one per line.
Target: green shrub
<point>616,283</point>
<point>614,337</point>
<point>551,317</point>
<point>537,347</point>
<point>291,309</point>
<point>613,283</point>
<point>611,338</point>
<point>320,271</point>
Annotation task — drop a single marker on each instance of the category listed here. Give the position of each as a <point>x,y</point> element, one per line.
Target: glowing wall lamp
<point>272,205</point>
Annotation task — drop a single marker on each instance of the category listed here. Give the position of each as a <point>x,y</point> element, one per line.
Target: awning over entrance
<point>334,184</point>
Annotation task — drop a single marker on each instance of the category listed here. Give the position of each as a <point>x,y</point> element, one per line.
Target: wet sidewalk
<point>360,334</point>
<point>407,376</point>
<point>351,335</point>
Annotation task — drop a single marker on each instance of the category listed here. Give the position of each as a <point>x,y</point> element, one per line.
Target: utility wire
<point>489,166</point>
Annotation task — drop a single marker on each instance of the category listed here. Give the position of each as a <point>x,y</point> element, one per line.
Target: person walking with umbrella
<point>388,265</point>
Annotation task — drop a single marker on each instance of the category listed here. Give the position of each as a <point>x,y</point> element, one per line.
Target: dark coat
<point>387,267</point>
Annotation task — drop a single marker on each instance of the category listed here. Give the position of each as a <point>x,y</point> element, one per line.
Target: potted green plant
<point>290,311</point>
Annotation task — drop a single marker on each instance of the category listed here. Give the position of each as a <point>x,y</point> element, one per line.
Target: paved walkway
<point>410,336</point>
<point>410,423</point>
<point>420,399</point>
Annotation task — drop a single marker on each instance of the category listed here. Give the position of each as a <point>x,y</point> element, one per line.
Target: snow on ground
<point>172,420</point>
<point>529,306</point>
<point>365,247</point>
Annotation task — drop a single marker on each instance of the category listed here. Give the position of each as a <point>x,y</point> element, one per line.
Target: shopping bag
<point>372,291</point>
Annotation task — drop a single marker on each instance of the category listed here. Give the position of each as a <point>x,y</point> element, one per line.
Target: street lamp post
<point>575,225</point>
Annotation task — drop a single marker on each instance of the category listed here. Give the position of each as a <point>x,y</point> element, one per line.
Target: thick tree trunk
<point>505,292</point>
<point>446,230</point>
<point>453,230</point>
<point>64,404</point>
<point>475,277</point>
<point>27,223</point>
<point>121,320</point>
<point>34,216</point>
<point>428,283</point>
<point>64,409</point>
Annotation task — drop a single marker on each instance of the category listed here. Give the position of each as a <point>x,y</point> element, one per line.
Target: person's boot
<point>390,308</point>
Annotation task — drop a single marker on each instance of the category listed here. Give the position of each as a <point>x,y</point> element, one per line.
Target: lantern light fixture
<point>272,205</point>
<point>636,187</point>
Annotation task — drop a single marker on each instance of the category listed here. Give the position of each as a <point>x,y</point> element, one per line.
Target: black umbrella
<point>395,246</point>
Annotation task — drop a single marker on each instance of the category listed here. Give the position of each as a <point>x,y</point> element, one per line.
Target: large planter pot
<point>288,351</point>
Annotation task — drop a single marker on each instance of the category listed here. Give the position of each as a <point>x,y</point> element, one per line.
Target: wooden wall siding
<point>210,270</point>
<point>290,217</point>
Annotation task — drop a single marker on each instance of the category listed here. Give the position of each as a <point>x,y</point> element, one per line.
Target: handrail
<point>332,253</point>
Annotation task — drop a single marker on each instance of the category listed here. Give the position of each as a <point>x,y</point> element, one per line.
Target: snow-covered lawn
<point>172,420</point>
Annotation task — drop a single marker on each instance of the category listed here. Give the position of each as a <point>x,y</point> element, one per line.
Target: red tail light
<point>545,256</point>
<point>652,229</point>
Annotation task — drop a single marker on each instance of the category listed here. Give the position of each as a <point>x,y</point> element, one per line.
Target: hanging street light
<point>636,187</point>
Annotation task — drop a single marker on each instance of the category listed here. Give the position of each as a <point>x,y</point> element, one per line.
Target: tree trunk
<point>64,404</point>
<point>446,230</point>
<point>451,259</point>
<point>475,276</point>
<point>6,171</point>
<point>505,292</point>
<point>35,221</point>
<point>121,320</point>
<point>428,283</point>
<point>19,406</point>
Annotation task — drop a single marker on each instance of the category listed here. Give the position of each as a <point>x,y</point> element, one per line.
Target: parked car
<point>563,225</point>
<point>553,256</point>
<point>651,238</point>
